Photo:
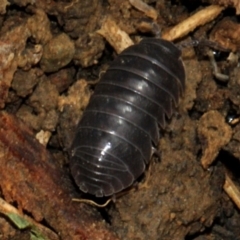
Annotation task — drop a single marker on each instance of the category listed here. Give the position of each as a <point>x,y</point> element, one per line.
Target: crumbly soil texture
<point>51,58</point>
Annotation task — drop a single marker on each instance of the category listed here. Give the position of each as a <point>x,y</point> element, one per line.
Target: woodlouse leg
<point>147,173</point>
<point>156,152</point>
<point>145,183</point>
<point>126,191</point>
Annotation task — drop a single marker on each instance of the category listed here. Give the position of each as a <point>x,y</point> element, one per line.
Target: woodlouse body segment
<point>114,138</point>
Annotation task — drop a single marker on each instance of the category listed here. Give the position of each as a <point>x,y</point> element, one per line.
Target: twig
<point>188,25</point>
<point>232,191</point>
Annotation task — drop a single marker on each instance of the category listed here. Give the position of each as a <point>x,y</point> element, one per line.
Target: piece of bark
<point>29,177</point>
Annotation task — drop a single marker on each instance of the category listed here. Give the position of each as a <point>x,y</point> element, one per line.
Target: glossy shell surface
<point>114,139</point>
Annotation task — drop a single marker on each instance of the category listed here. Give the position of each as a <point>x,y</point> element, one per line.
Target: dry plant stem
<point>143,7</point>
<point>232,191</point>
<point>118,39</point>
<point>198,19</point>
<point>6,208</point>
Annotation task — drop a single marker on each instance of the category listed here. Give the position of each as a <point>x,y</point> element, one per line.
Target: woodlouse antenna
<point>203,43</point>
<point>91,202</point>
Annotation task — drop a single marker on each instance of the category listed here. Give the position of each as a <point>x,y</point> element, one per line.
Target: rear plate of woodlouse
<point>114,138</point>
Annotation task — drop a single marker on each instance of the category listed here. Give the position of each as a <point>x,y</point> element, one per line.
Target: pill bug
<point>120,126</point>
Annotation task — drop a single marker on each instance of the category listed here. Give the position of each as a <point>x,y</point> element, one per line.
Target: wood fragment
<point>118,39</point>
<point>232,191</point>
<point>188,25</point>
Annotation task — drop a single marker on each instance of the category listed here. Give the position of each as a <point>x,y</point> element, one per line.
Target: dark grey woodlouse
<point>114,139</point>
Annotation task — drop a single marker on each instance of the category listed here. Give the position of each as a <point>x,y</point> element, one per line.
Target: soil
<point>51,57</point>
